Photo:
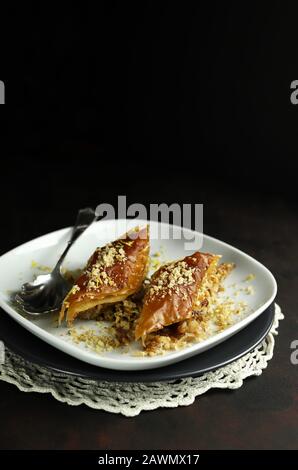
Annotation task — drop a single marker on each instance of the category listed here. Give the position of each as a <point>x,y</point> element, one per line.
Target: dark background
<point>161,102</point>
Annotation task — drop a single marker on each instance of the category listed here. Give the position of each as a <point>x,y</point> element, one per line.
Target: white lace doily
<point>130,399</point>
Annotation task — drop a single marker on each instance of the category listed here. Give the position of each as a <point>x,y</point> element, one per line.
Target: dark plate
<point>33,349</point>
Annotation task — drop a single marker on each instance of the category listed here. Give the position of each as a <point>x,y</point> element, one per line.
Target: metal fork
<point>46,293</point>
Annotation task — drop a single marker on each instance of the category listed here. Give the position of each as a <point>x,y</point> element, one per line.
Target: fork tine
<point>29,287</point>
<point>33,302</point>
<point>19,299</point>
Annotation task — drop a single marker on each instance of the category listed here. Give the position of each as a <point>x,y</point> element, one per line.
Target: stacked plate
<point>40,341</point>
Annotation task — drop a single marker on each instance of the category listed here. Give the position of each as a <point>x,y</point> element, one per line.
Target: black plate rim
<point>140,376</point>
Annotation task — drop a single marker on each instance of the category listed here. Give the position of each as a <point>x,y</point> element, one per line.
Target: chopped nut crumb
<point>174,274</point>
<point>106,257</point>
<point>75,289</point>
<point>214,313</point>
<point>250,277</point>
<point>249,290</point>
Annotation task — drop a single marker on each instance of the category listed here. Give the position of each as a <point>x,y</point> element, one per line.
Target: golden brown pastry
<point>113,273</point>
<point>177,290</point>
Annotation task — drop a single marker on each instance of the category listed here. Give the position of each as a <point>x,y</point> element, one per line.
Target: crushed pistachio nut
<point>174,275</point>
<point>106,257</point>
<point>249,290</point>
<point>250,277</point>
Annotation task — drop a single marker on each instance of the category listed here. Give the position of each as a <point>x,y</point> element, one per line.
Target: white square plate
<point>16,268</point>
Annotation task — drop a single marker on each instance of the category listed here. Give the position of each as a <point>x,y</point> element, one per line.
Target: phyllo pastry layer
<point>178,291</point>
<point>113,273</point>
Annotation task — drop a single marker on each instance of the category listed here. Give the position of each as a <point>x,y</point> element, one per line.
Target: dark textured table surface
<point>263,413</point>
<point>161,103</point>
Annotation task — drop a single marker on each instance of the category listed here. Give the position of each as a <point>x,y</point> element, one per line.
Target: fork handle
<point>84,219</point>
